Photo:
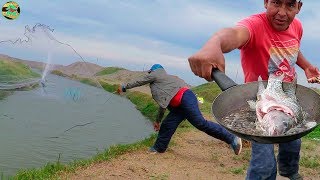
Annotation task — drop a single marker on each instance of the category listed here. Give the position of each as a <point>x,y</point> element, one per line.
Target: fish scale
<point>277,107</point>
<point>285,93</point>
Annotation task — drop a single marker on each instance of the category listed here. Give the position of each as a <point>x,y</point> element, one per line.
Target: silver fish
<point>277,107</point>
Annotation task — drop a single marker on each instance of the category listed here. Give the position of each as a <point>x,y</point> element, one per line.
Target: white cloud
<point>124,52</point>
<point>8,32</point>
<point>80,21</point>
<point>146,32</point>
<point>140,51</point>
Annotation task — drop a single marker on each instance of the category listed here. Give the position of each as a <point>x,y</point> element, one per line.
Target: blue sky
<point>136,34</point>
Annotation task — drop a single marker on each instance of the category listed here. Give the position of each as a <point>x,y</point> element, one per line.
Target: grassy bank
<point>208,91</point>
<point>108,70</point>
<point>11,71</point>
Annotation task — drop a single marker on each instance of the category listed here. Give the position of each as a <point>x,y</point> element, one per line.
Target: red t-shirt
<point>269,51</point>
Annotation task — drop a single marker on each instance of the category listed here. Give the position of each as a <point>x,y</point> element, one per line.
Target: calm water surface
<point>65,117</point>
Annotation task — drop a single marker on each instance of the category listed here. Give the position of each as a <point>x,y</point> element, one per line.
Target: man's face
<point>281,13</point>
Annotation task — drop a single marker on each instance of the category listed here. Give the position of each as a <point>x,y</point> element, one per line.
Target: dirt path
<point>193,155</point>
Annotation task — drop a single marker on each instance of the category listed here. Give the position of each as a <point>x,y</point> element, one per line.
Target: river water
<point>64,117</point>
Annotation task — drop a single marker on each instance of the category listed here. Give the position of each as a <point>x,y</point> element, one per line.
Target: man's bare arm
<point>312,73</point>
<point>228,39</point>
<point>211,54</point>
<point>302,61</point>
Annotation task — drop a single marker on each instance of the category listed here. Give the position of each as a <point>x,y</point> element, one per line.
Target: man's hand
<point>119,90</point>
<point>156,126</point>
<point>312,74</point>
<point>203,61</point>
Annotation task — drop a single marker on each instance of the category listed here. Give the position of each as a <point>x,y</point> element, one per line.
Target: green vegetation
<point>58,73</point>
<point>309,145</point>
<point>310,162</point>
<point>144,103</point>
<point>208,91</point>
<point>315,134</point>
<point>98,83</point>
<point>89,81</point>
<point>108,70</point>
<point>11,71</point>
<point>4,94</point>
<point>109,87</point>
<point>239,170</point>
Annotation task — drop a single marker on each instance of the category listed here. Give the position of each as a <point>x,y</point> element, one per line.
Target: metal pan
<point>234,96</point>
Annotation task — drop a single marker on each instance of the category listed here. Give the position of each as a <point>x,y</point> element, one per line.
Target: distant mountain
<point>31,64</point>
<point>122,75</point>
<point>80,69</point>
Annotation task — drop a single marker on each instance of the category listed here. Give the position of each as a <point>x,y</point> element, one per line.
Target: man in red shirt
<point>269,44</point>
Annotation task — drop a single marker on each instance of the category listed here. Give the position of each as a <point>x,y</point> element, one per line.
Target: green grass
<point>310,162</point>
<point>89,81</point>
<point>308,145</point>
<point>239,170</point>
<point>108,70</point>
<point>58,73</point>
<point>309,155</point>
<point>315,134</point>
<point>144,103</point>
<point>15,71</point>
<point>208,91</point>
<point>109,87</point>
<point>244,156</point>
